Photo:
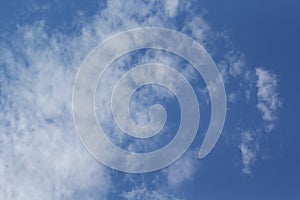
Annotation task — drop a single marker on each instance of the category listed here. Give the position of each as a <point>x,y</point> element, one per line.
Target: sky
<point>254,45</point>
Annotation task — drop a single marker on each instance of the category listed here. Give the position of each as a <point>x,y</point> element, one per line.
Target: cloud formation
<point>249,148</point>
<point>41,156</point>
<point>268,98</point>
<point>141,193</point>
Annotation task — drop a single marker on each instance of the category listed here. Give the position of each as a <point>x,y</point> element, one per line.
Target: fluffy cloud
<point>41,156</point>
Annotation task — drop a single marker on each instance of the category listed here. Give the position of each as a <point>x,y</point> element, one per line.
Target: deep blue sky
<point>267,34</point>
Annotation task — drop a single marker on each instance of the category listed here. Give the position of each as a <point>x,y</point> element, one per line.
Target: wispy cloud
<point>268,103</point>
<point>249,148</point>
<point>268,98</point>
<point>41,156</point>
<point>182,170</point>
<point>141,193</point>
<point>256,88</point>
<point>171,7</point>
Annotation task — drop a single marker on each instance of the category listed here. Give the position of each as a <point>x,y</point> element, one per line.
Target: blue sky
<point>255,46</point>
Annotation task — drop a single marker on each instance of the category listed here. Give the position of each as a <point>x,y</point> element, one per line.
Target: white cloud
<point>171,7</point>
<point>232,97</point>
<point>233,66</point>
<point>41,157</point>
<point>197,28</point>
<point>268,104</point>
<point>182,170</point>
<point>141,193</point>
<point>40,154</point>
<point>236,62</point>
<point>267,94</point>
<point>249,149</point>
